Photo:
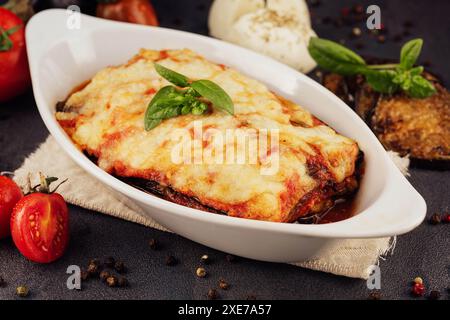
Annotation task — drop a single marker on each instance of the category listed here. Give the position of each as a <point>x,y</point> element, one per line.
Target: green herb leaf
<point>382,80</point>
<point>410,52</point>
<point>174,77</point>
<point>211,91</point>
<point>335,58</point>
<point>156,104</point>
<point>420,87</point>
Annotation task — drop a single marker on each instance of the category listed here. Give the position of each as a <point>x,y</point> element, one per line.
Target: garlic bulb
<point>280,29</point>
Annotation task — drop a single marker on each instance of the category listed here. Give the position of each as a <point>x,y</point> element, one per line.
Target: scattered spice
<point>94,267</point>
<point>123,282</point>
<point>435,219</point>
<point>212,294</point>
<point>434,295</point>
<point>171,260</point>
<point>109,262</point>
<point>230,258</point>
<point>120,267</point>
<point>2,282</point>
<point>205,259</point>
<point>418,280</point>
<point>84,275</point>
<point>356,32</point>
<point>201,272</point>
<point>104,275</point>
<point>22,291</point>
<point>374,295</point>
<point>358,8</point>
<point>111,281</point>
<point>418,290</point>
<point>223,284</point>
<point>381,38</point>
<point>153,243</point>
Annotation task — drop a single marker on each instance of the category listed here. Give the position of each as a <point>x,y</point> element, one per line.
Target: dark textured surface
<point>424,252</point>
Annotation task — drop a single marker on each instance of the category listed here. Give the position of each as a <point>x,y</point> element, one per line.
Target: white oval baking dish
<point>61,58</point>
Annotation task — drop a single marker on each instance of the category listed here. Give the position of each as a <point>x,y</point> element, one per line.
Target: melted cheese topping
<point>106,119</point>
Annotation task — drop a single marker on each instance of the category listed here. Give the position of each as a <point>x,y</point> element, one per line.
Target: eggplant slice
<point>419,128</point>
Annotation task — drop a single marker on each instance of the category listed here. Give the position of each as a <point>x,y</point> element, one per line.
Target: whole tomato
<point>14,72</point>
<point>10,194</point>
<point>134,11</point>
<point>40,225</point>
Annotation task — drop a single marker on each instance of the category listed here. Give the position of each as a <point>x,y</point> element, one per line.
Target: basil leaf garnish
<point>335,57</point>
<point>215,94</point>
<point>385,78</point>
<point>410,52</point>
<point>174,77</point>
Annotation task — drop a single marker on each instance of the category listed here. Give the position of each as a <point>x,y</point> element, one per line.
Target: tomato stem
<point>5,42</point>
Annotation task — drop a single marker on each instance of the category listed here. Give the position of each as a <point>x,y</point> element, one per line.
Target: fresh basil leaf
<point>382,81</point>
<point>152,123</point>
<point>335,58</point>
<point>155,104</point>
<point>211,91</point>
<point>174,77</point>
<point>420,88</point>
<point>416,71</point>
<point>410,52</point>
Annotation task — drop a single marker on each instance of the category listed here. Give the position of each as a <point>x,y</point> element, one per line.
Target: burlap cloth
<point>351,258</point>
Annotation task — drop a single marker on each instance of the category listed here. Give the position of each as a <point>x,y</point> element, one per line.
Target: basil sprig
<point>386,78</point>
<point>183,98</point>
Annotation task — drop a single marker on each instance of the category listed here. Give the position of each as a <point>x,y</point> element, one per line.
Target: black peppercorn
<point>119,266</point>
<point>357,8</point>
<point>111,281</point>
<point>122,282</point>
<point>223,284</point>
<point>434,295</point>
<point>94,267</point>
<point>381,38</point>
<point>435,219</point>
<point>104,275</point>
<point>2,282</point>
<point>84,275</point>
<point>171,261</point>
<point>154,245</point>
<point>374,295</point>
<point>212,294</point>
<point>22,291</point>
<point>109,262</point>
<point>230,258</point>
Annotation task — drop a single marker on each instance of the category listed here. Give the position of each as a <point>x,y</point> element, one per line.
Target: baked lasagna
<point>316,166</point>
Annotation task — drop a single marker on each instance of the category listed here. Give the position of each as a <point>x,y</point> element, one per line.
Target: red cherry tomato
<point>10,194</point>
<point>40,226</point>
<point>14,72</point>
<point>134,11</point>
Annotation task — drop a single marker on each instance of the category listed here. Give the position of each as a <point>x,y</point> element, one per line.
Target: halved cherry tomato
<point>10,194</point>
<point>14,72</point>
<point>134,11</point>
<point>40,226</point>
